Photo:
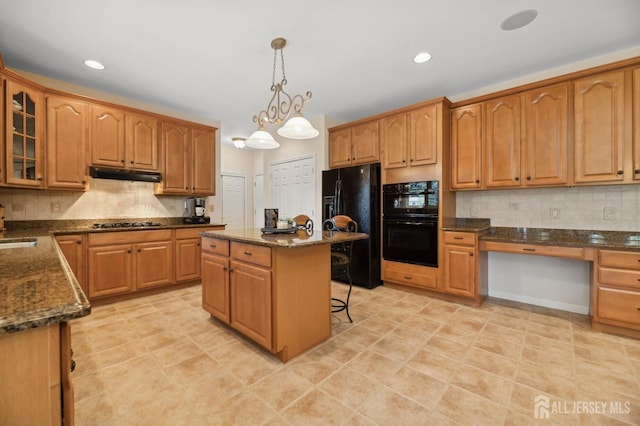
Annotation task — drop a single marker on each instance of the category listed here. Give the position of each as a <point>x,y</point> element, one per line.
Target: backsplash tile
<point>105,199</point>
<point>576,208</point>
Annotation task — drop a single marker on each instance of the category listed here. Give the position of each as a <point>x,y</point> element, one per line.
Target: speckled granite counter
<point>299,239</point>
<point>37,287</point>
<point>466,224</point>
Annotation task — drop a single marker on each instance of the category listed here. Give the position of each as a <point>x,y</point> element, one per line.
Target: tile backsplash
<point>606,208</point>
<point>105,199</point>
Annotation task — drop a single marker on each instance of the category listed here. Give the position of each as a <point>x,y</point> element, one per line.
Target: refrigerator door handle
<point>337,209</point>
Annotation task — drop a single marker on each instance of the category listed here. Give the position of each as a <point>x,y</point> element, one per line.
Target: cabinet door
<point>250,295</point>
<point>110,270</point>
<point>636,123</point>
<point>203,161</point>
<point>154,264</point>
<point>142,142</point>
<point>175,158</point>
<point>73,248</point>
<point>215,286</point>
<point>599,127</point>
<point>2,132</point>
<point>67,127</point>
<point>423,136</point>
<point>460,270</point>
<point>502,142</point>
<point>187,259</point>
<point>340,148</point>
<point>25,138</point>
<point>545,130</point>
<point>393,136</point>
<point>365,144</point>
<point>466,147</point>
<point>107,136</point>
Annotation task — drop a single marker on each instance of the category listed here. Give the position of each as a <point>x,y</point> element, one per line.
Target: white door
<point>292,185</point>
<point>233,205</point>
<point>258,201</point>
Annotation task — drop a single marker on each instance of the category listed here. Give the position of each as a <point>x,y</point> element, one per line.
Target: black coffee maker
<point>194,210</point>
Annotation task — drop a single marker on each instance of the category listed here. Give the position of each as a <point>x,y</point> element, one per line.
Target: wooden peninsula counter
<point>273,288</point>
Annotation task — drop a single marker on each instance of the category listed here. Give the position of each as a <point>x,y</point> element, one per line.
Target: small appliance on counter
<point>194,210</point>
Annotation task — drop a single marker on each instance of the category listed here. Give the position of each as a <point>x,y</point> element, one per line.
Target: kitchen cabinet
<point>188,154</point>
<point>357,144</point>
<point>124,139</point>
<point>410,274</point>
<point>411,138</point>
<point>215,278</point>
<point>188,252</point>
<point>599,128</point>
<point>616,290</point>
<point>2,131</point>
<point>466,147</point>
<point>66,147</point>
<point>501,153</point>
<point>24,135</point>
<point>73,248</point>
<point>36,374</point>
<point>636,123</point>
<point>460,263</point>
<point>123,262</point>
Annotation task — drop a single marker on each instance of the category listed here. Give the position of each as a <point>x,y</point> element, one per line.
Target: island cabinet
<point>36,376</point>
<point>354,144</point>
<point>67,141</point>
<point>123,262</point>
<point>188,159</point>
<point>123,139</point>
<point>616,291</point>
<point>73,248</point>
<point>461,265</point>
<point>466,147</point>
<point>279,297</point>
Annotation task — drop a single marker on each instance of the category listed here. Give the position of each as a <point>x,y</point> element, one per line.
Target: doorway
<point>258,201</point>
<point>233,200</point>
<point>293,186</point>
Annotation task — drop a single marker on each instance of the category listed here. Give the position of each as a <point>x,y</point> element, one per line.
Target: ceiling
<point>213,60</point>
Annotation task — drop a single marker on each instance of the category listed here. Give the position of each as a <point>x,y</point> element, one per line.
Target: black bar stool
<point>341,258</point>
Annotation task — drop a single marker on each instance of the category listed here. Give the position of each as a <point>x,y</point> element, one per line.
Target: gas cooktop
<point>108,225</point>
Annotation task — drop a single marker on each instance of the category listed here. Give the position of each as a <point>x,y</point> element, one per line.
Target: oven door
<point>411,241</point>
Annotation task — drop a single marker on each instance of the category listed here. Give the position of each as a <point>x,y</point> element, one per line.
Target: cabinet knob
<point>230,269</point>
<point>79,242</point>
<point>224,268</point>
<point>620,172</point>
<point>131,161</point>
<point>411,160</point>
<point>528,177</point>
<point>122,161</point>
<point>84,182</point>
<point>470,254</point>
<point>73,365</point>
<point>139,250</point>
<point>129,251</point>
<point>517,178</point>
<point>40,178</point>
<point>404,161</point>
<point>636,171</point>
<point>477,180</point>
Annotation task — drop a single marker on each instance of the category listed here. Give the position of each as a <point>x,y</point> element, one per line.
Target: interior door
<point>233,201</point>
<point>293,187</point>
<point>258,201</point>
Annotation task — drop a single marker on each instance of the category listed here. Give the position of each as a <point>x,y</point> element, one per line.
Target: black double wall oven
<point>410,222</point>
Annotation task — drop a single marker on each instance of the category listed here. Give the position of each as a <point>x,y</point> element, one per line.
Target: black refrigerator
<point>355,192</point>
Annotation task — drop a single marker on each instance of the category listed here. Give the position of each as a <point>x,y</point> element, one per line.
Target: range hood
<point>122,174</point>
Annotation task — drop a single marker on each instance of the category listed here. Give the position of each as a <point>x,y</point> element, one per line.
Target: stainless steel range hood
<point>122,174</point>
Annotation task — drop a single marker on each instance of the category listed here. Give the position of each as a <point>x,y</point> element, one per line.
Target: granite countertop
<point>37,287</point>
<point>465,224</point>
<point>301,238</point>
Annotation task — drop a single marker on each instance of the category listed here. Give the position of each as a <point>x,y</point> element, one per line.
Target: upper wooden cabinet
<point>636,123</point>
<point>188,159</point>
<point>410,138</point>
<point>501,161</point>
<point>24,135</point>
<point>358,144</point>
<point>66,151</point>
<point>466,147</point>
<point>123,139</point>
<point>599,128</point>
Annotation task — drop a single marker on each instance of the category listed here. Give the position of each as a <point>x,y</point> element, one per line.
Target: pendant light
<point>281,106</point>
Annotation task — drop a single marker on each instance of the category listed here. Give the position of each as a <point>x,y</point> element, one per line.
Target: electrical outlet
<point>55,207</point>
<point>473,212</point>
<point>17,207</point>
<point>554,212</point>
<point>610,213</point>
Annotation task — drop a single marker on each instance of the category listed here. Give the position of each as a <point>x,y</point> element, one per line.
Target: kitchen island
<point>273,288</point>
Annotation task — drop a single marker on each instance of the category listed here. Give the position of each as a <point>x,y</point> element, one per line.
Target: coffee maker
<point>194,210</point>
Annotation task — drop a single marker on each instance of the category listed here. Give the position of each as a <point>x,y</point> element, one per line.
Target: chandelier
<point>281,106</point>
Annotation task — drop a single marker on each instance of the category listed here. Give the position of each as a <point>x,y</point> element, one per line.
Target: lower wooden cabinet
<point>460,254</point>
<point>616,291</point>
<point>74,249</point>
<point>410,274</point>
<point>36,376</point>
<point>188,252</point>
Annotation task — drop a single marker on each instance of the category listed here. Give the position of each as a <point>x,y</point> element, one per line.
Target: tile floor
<point>407,359</point>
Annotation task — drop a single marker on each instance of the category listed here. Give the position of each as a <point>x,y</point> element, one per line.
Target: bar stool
<point>341,258</point>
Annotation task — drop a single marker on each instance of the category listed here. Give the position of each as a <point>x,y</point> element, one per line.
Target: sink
<point>11,244</point>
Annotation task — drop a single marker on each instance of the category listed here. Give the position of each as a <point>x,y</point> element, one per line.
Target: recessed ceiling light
<point>421,57</point>
<point>94,64</point>
<point>519,20</point>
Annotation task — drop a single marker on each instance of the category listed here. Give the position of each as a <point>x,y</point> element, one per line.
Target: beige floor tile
<point>177,352</point>
<point>555,333</point>
<point>394,348</point>
<point>411,335</point>
<point>97,410</point>
<point>359,334</point>
<point>549,362</point>
<point>191,369</point>
<point>506,333</point>
<point>314,368</point>
<point>499,346</point>
<point>242,409</point>
<point>374,365</point>
<point>389,407</point>
<point>484,384</point>
<point>350,387</point>
<point>281,388</point>
<point>447,347</point>
<point>316,408</point>
<point>547,381</point>
<point>419,387</point>
<point>468,408</point>
<point>378,324</point>
<point>434,365</point>
<point>342,351</point>
<point>508,322</point>
<point>492,362</point>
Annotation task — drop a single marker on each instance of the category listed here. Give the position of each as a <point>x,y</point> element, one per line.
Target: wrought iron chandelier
<point>281,106</point>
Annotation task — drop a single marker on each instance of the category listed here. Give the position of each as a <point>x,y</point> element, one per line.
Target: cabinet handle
<point>73,365</point>
<point>224,268</point>
<point>230,269</point>
<point>620,172</point>
<point>40,178</point>
<point>407,278</point>
<point>458,238</point>
<point>529,249</point>
<point>212,245</point>
<point>248,253</point>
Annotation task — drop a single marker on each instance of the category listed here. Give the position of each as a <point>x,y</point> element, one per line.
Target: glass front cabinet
<point>24,150</point>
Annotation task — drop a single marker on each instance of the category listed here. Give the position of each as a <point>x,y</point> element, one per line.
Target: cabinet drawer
<point>215,246</point>
<point>461,238</point>
<point>129,237</point>
<point>619,305</point>
<point>619,259</point>
<point>251,253</point>
<point>414,275</point>
<point>537,249</point>
<point>623,277</point>
<point>186,233</point>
